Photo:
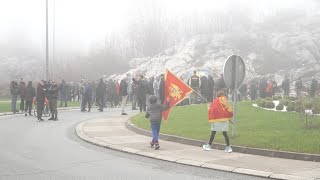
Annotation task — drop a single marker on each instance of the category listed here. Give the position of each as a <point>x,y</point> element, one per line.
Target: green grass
<point>6,106</point>
<point>255,128</point>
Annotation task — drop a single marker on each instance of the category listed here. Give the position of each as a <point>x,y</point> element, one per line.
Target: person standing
<point>299,86</point>
<point>40,97</point>
<point>22,88</point>
<point>53,94</point>
<point>14,90</point>
<point>87,96</point>
<point>156,88</point>
<point>286,86</point>
<point>30,93</point>
<point>221,85</point>
<point>142,92</point>
<point>82,86</point>
<point>194,82</point>
<point>123,91</point>
<point>63,93</point>
<point>219,115</point>
<point>101,92</point>
<point>134,91</point>
<point>314,87</point>
<point>162,88</point>
<point>204,88</point>
<point>243,92</point>
<point>253,88</point>
<point>210,88</point>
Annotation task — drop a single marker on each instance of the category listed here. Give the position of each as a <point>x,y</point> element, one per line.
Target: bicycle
<point>46,111</point>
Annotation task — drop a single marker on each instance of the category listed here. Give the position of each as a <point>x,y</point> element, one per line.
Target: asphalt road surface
<point>51,150</point>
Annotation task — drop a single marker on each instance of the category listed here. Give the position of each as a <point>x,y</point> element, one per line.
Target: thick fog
<point>91,38</point>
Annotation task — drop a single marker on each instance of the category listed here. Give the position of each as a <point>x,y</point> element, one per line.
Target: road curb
<point>19,113</point>
<point>239,149</point>
<point>82,135</point>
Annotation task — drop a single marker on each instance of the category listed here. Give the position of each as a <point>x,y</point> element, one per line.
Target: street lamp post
<point>47,44</point>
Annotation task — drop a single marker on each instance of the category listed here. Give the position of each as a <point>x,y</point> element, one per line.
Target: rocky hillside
<point>267,49</point>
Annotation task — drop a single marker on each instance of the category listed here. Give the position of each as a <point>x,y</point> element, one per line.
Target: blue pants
<point>14,104</point>
<point>155,132</point>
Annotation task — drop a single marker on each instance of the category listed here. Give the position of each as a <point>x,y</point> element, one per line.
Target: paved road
<point>51,150</point>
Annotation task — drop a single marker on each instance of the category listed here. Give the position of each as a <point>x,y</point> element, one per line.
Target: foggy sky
<point>81,23</point>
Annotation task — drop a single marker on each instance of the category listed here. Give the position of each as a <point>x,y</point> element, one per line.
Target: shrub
<point>285,102</point>
<point>276,98</point>
<point>316,106</point>
<point>280,107</point>
<point>291,107</point>
<point>261,102</point>
<point>270,105</point>
<point>292,98</point>
<point>268,99</point>
<point>300,106</point>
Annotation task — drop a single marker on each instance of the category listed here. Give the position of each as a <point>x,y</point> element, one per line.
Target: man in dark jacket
<point>286,86</point>
<point>87,97</point>
<point>194,82</point>
<point>14,90</point>
<point>123,91</point>
<point>142,92</point>
<point>101,92</point>
<point>53,92</point>
<point>243,91</point>
<point>204,88</point>
<point>30,93</point>
<point>40,99</point>
<point>210,88</point>
<point>221,85</point>
<point>162,88</point>
<point>22,87</point>
<point>253,88</point>
<point>313,88</point>
<point>63,93</point>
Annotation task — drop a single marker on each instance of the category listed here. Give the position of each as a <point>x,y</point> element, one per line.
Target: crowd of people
<point>111,93</point>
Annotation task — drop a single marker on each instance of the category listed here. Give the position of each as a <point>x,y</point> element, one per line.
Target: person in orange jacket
<point>219,115</point>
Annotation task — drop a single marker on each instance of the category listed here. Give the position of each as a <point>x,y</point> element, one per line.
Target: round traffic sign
<point>234,72</point>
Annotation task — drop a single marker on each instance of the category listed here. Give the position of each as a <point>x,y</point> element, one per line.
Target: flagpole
<point>200,96</point>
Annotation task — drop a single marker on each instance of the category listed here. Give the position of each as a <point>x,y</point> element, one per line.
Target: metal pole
<point>235,96</point>
<point>53,38</point>
<point>47,44</point>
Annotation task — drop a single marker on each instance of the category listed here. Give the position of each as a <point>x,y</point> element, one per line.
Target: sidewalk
<point>112,133</point>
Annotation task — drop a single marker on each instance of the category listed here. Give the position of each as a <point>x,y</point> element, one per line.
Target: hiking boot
<point>207,147</point>
<point>228,149</point>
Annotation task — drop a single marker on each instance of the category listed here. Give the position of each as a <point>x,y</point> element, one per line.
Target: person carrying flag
<point>219,114</point>
<point>154,114</point>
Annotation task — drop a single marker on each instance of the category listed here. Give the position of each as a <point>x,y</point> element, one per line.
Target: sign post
<point>234,73</point>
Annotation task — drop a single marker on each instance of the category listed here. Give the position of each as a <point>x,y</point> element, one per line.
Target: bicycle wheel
<point>46,111</point>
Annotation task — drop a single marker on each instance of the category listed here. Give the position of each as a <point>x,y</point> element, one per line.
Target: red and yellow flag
<point>219,110</point>
<point>176,90</point>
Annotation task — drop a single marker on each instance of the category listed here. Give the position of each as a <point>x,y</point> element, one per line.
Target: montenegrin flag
<point>220,110</point>
<point>176,90</point>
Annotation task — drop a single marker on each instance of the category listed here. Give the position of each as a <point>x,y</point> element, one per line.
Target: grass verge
<point>255,127</point>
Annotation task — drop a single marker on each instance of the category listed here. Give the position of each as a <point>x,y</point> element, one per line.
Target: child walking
<point>219,115</point>
<point>154,114</point>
